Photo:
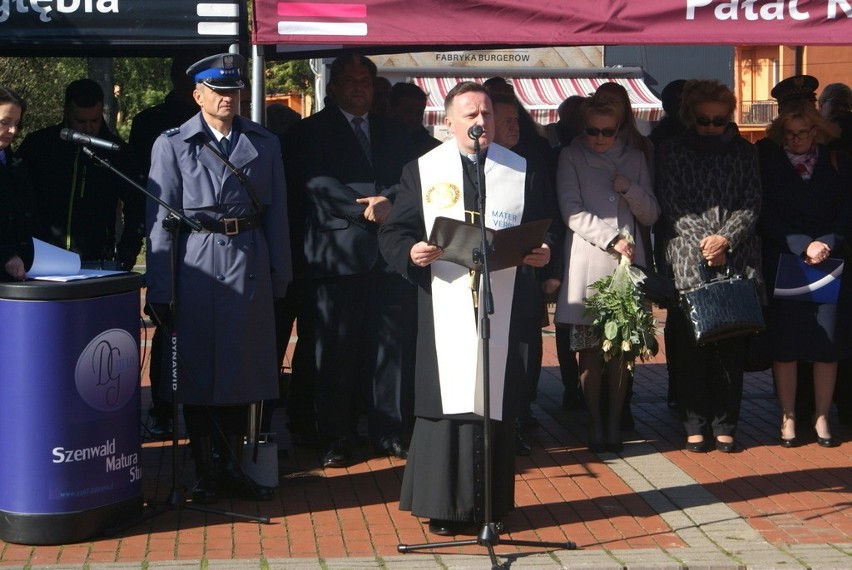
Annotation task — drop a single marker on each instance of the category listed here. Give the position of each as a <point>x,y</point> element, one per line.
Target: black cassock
<point>444,473</point>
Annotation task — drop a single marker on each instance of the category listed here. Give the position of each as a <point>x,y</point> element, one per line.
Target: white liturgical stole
<point>457,337</point>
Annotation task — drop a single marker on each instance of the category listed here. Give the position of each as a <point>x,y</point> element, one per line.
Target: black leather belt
<point>230,226</point>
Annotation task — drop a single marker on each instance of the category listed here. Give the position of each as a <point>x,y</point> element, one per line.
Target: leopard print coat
<point>707,186</point>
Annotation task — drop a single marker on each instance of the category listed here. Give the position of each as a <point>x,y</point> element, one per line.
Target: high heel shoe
<point>788,441</point>
<point>827,441</point>
<point>824,441</point>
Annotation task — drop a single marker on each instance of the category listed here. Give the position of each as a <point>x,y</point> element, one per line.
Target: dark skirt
<point>444,472</point>
<point>807,331</point>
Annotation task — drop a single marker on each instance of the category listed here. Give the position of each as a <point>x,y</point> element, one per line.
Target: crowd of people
<point>325,222</point>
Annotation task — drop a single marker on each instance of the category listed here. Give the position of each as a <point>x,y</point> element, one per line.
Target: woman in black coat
<point>16,207</point>
<point>806,212</point>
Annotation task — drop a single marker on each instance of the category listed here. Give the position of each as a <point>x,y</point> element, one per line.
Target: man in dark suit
<point>344,161</point>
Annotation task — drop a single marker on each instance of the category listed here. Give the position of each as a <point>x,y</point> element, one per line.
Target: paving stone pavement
<point>653,506</point>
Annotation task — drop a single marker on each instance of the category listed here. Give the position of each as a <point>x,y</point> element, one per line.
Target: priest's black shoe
<point>442,527</point>
<point>337,455</point>
<point>393,447</point>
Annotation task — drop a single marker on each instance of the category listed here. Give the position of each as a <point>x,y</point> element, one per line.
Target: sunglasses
<point>715,121</point>
<point>593,132</point>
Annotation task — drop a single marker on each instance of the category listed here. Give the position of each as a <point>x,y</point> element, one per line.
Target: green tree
<point>41,82</point>
<point>294,76</point>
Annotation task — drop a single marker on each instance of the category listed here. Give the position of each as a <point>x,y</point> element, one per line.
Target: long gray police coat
<point>225,284</point>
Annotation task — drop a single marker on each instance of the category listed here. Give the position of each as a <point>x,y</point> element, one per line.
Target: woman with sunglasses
<point>603,186</point>
<point>806,212</point>
<point>16,206</point>
<point>708,185</point>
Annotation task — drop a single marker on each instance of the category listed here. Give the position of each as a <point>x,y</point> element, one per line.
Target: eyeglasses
<point>593,132</point>
<point>715,121</point>
<point>798,135</point>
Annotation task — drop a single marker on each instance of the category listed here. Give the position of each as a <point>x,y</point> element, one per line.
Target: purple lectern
<point>70,449</point>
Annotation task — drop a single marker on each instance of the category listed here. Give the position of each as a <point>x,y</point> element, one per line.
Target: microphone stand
<point>489,534</point>
<point>172,224</point>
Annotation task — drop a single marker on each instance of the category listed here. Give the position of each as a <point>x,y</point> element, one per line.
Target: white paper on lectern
<point>49,260</point>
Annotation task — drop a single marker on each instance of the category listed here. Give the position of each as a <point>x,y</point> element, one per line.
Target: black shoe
<point>522,446</point>
<point>204,491</point>
<point>827,442</point>
<point>233,482</point>
<point>725,446</point>
<point>161,429</point>
<point>792,442</point>
<point>448,528</point>
<point>695,446</point>
<point>393,447</point>
<point>337,455</point>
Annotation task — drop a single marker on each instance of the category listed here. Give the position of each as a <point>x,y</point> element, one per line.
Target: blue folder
<point>798,281</point>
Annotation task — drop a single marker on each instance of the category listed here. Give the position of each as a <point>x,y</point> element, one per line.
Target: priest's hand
<point>539,257</point>
<point>422,253</point>
<point>378,208</point>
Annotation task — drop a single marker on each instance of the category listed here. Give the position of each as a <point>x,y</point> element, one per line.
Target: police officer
<point>225,172</point>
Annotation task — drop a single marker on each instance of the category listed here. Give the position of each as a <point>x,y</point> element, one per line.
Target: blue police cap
<point>222,71</point>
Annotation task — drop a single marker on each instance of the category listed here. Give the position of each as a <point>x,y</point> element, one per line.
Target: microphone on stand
<point>475,132</point>
<point>73,136</point>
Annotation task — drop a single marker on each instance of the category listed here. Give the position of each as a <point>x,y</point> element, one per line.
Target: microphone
<point>73,136</point>
<point>475,132</point>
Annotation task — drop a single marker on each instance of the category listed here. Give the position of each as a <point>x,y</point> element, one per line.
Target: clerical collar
<point>472,156</point>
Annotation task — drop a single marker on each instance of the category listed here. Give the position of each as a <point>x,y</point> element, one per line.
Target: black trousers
<point>710,380</point>
<point>365,339</point>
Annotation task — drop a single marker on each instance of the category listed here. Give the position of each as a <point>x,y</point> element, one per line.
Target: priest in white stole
<point>445,468</point>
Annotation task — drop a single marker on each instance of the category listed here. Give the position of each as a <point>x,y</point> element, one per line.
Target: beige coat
<point>594,214</point>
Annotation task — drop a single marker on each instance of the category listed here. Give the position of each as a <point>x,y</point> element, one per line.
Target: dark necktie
<point>362,138</point>
<point>225,144</point>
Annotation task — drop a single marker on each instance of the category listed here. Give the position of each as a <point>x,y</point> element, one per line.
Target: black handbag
<point>657,288</point>
<point>722,307</point>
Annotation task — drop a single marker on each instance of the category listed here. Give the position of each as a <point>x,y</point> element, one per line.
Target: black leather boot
<point>204,491</point>
<point>233,481</point>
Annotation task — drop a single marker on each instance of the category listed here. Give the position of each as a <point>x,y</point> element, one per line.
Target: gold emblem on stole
<point>443,195</point>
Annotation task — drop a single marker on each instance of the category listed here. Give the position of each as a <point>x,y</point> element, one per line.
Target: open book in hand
<point>507,246</point>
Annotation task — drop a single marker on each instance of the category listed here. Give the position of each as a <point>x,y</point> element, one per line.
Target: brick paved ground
<point>652,506</point>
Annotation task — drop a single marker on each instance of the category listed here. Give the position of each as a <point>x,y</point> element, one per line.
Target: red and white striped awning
<point>541,96</point>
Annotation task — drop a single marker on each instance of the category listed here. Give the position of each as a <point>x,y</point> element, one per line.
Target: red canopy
<point>421,23</point>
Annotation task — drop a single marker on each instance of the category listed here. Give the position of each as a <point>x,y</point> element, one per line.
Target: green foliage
<point>41,82</point>
<point>293,76</point>
<point>143,82</point>
<point>625,322</point>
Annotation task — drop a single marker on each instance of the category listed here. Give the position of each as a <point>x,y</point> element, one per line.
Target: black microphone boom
<point>475,131</point>
<point>73,136</point>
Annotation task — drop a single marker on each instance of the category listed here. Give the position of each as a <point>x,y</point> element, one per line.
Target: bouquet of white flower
<point>625,321</point>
